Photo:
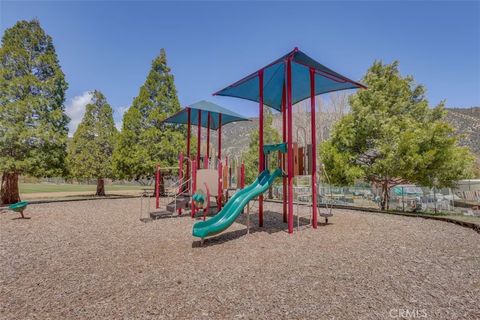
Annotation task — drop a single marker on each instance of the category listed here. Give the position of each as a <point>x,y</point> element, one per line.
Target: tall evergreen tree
<point>90,151</point>
<point>393,137</point>
<point>33,124</point>
<point>145,140</point>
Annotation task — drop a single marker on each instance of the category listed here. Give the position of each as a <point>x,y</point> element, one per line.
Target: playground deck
<point>96,259</point>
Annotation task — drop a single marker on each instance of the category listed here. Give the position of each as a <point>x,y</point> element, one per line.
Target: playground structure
<point>234,174</point>
<point>288,80</point>
<point>203,176</point>
<point>241,198</point>
<point>19,207</point>
<point>284,82</point>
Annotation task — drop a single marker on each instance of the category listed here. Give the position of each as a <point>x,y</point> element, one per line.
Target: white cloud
<point>76,109</point>
<point>118,116</point>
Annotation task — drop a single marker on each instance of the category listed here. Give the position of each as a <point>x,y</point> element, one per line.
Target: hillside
<point>466,121</point>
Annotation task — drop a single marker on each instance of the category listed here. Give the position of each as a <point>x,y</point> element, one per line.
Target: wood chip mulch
<point>97,260</point>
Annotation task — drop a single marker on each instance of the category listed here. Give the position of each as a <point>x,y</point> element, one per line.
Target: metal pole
<point>403,200</point>
<point>248,218</point>
<point>314,148</point>
<point>194,185</point>
<point>220,137</point>
<point>199,136</point>
<point>220,170</point>
<point>261,165</point>
<point>290,145</point>
<point>453,199</point>
<point>208,138</point>
<point>284,139</point>
<point>141,204</point>
<point>189,125</point>
<point>220,185</point>
<point>180,178</point>
<point>157,187</point>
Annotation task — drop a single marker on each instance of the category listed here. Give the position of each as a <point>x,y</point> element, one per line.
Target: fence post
<point>453,199</point>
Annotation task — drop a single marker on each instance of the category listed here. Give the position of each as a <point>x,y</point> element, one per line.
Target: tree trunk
<point>385,196</point>
<point>9,190</point>
<point>100,187</point>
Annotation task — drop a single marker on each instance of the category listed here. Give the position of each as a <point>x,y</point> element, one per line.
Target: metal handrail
<point>175,196</point>
<point>329,187</point>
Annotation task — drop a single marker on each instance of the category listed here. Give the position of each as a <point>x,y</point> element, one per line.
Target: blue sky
<point>109,45</point>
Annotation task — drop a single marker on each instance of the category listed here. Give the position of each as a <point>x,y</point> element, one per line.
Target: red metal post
<point>219,156</point>
<point>199,136</point>
<point>220,185</point>
<point>261,165</point>
<point>189,124</point>
<point>180,178</point>
<point>157,187</point>
<point>220,137</point>
<point>194,185</point>
<point>290,145</point>
<point>284,139</point>
<point>314,148</point>
<point>208,140</point>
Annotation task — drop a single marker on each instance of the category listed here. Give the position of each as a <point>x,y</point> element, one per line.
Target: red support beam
<point>189,125</point>
<point>194,185</point>
<point>180,178</point>
<point>220,137</point>
<point>261,164</point>
<point>220,172</point>
<point>314,148</point>
<point>199,136</point>
<point>220,185</point>
<point>284,140</point>
<point>290,145</point>
<point>208,138</point>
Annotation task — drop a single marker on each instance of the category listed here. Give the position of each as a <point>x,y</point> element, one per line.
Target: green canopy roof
<point>205,107</point>
<point>326,80</point>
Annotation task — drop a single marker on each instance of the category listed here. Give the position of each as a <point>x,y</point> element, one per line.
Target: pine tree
<point>145,140</point>
<point>393,137</point>
<point>33,124</point>
<point>90,151</point>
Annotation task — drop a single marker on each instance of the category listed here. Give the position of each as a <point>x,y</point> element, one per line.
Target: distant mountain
<point>236,136</point>
<point>466,122</point>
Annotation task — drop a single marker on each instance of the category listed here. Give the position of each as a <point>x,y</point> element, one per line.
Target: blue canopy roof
<point>326,80</point>
<point>205,107</point>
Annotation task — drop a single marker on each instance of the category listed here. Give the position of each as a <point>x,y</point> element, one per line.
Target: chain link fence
<point>406,198</point>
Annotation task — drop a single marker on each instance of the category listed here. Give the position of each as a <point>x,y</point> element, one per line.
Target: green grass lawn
<point>47,187</point>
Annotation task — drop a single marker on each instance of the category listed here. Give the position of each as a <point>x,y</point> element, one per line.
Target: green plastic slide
<point>234,206</point>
